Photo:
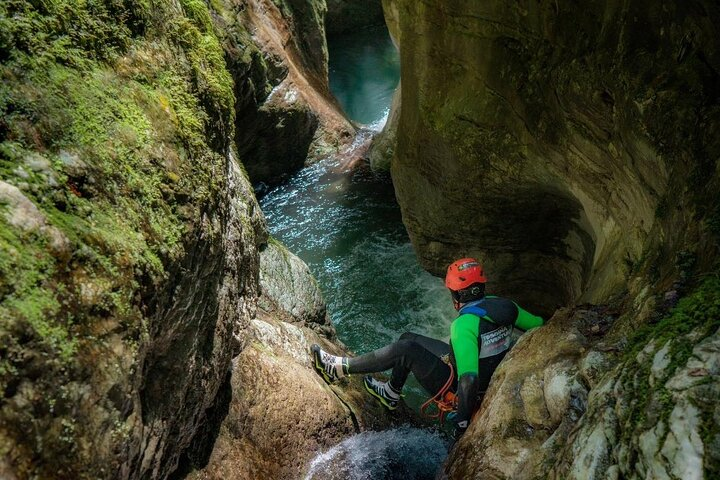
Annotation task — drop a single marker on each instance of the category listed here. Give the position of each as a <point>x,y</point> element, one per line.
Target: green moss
<point>697,311</point>
<point>697,314</point>
<point>72,32</point>
<point>201,45</point>
<point>29,295</point>
<point>710,435</point>
<point>197,12</point>
<point>131,104</point>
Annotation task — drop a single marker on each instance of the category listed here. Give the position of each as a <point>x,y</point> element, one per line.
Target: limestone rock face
<point>536,396</point>
<point>288,290</point>
<point>382,148</point>
<point>277,55</point>
<point>570,402</point>
<point>282,413</point>
<point>546,138</point>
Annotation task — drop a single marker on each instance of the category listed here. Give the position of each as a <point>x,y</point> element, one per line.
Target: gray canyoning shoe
<point>383,391</point>
<point>330,367</point>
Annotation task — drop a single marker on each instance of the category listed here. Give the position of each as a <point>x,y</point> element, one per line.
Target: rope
<point>444,401</point>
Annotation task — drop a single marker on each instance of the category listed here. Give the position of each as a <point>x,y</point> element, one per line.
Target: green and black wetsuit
<point>480,337</point>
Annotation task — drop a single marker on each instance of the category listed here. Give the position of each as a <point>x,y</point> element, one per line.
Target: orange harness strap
<point>444,401</point>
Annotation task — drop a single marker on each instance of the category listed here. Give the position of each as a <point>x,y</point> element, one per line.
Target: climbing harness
<point>444,401</point>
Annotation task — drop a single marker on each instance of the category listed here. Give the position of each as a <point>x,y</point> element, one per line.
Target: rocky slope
<point>573,148</point>
<point>282,413</point>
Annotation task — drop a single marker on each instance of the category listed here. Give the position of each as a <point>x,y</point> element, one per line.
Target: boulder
<point>282,413</point>
<point>288,290</point>
<point>565,404</point>
<point>534,399</point>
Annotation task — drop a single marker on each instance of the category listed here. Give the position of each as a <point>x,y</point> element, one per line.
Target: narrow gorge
<point>193,192</point>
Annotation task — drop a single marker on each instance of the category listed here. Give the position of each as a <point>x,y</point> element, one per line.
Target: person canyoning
<point>455,374</point>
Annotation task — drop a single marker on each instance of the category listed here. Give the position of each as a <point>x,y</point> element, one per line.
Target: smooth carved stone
<point>288,289</point>
<point>529,136</point>
<point>282,413</point>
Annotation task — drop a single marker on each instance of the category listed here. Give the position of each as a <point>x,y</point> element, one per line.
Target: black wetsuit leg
<point>411,353</point>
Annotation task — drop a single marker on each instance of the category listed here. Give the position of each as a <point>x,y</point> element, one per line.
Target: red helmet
<point>463,273</point>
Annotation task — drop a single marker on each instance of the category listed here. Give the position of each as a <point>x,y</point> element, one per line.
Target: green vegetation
<point>115,117</point>
<point>695,317</point>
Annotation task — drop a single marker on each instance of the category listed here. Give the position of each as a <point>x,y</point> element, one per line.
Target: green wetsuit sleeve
<point>526,320</point>
<point>464,339</point>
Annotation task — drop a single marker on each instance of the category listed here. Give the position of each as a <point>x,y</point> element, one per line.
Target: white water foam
<point>403,453</point>
<point>379,124</point>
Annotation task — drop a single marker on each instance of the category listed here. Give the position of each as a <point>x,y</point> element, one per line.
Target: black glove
<point>460,428</point>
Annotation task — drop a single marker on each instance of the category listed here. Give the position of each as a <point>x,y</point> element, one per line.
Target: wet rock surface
<point>282,414</point>
<point>288,289</point>
<point>545,138</point>
<point>277,54</point>
<point>382,148</point>
<point>567,405</point>
<point>534,400</point>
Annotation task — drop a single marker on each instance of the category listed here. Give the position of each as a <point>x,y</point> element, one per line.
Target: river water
<point>345,223</point>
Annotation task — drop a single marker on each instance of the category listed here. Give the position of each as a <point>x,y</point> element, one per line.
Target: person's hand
<point>460,428</point>
<point>458,432</point>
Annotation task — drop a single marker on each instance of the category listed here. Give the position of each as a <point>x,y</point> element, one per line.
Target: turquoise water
<point>346,225</point>
<point>364,72</point>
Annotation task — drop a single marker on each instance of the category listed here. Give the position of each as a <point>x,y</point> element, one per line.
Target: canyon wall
<point>563,144</point>
<point>286,116</point>
<point>131,237</point>
<point>347,16</point>
<point>573,149</point>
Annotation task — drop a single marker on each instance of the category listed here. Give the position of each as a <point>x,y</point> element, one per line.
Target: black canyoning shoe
<point>329,366</point>
<point>383,392</point>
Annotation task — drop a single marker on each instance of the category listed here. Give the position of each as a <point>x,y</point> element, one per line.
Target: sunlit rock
<point>285,115</point>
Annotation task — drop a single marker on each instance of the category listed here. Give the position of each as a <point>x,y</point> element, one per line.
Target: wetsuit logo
<point>494,342</point>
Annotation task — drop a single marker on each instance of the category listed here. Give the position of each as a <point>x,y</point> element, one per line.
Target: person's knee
<point>404,346</point>
<point>408,336</point>
<point>410,350</point>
